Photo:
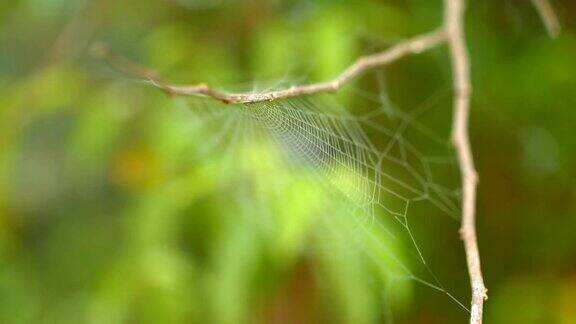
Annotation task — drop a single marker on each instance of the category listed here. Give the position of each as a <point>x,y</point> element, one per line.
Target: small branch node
<point>463,90</point>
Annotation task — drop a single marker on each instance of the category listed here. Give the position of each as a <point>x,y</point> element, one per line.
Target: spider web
<point>369,161</point>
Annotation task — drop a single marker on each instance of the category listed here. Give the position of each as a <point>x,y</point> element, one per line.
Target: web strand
<point>366,162</point>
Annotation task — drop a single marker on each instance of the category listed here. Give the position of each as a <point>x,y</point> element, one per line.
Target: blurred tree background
<point>110,212</point>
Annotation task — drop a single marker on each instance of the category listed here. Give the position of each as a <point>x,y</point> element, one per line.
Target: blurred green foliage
<point>111,213</point>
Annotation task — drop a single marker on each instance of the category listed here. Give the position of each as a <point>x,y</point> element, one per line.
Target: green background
<point>109,213</point>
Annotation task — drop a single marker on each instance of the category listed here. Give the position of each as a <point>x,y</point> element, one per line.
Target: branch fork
<point>452,34</point>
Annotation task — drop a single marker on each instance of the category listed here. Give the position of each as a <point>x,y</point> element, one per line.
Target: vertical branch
<point>454,24</point>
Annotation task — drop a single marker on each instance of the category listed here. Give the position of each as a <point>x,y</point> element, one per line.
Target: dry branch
<point>454,23</point>
<point>412,46</point>
<point>548,16</point>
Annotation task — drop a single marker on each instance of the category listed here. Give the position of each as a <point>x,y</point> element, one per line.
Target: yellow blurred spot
<point>566,310</point>
<point>135,168</point>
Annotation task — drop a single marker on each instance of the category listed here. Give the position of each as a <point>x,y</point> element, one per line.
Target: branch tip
<point>548,16</point>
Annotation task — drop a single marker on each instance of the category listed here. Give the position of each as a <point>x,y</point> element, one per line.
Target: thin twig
<point>548,16</point>
<point>412,46</point>
<point>454,23</point>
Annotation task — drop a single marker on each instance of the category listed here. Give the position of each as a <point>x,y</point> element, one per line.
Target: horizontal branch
<point>414,45</point>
